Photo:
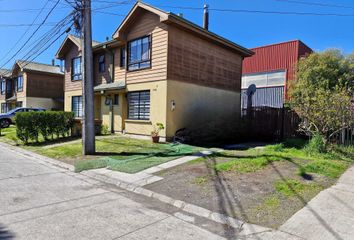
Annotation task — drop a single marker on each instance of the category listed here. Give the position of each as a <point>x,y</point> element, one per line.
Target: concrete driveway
<point>40,201</point>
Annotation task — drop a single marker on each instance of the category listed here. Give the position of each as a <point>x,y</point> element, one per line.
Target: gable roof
<point>38,67</point>
<point>171,18</point>
<point>70,39</point>
<point>5,72</point>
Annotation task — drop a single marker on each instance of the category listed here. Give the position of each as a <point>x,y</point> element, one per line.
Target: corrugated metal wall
<point>264,97</point>
<point>276,57</point>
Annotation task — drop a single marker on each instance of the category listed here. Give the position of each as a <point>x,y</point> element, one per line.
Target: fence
<point>345,137</point>
<point>266,123</point>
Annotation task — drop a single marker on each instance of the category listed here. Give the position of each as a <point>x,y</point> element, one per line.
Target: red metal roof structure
<point>275,57</point>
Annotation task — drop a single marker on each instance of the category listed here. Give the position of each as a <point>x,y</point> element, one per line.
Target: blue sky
<point>247,29</point>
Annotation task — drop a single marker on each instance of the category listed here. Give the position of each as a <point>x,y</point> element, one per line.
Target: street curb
<point>243,227</point>
<point>37,157</point>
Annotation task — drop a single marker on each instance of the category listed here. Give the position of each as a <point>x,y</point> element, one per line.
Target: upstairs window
<point>122,57</point>
<point>76,73</point>
<point>139,105</point>
<point>101,64</point>
<point>3,87</point>
<point>19,84</point>
<point>139,53</point>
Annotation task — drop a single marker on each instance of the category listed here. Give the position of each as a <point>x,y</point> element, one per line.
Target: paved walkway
<point>330,215</point>
<point>41,201</point>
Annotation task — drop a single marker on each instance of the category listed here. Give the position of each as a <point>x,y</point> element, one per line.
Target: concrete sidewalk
<point>39,201</point>
<point>330,215</point>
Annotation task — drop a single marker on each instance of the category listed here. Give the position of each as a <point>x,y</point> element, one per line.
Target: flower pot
<point>155,139</point>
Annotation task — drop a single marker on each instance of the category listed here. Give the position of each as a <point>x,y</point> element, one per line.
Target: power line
<point>27,24</point>
<point>317,4</point>
<point>27,9</point>
<point>41,43</point>
<point>24,34</point>
<point>36,30</point>
<point>109,13</point>
<point>261,11</point>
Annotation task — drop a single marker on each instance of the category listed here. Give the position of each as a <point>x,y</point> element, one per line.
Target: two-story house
<point>31,84</point>
<point>159,68</point>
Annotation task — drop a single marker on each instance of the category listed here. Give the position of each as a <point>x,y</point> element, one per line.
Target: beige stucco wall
<point>158,106</point>
<point>46,103</point>
<point>118,110</point>
<point>201,109</point>
<point>68,98</point>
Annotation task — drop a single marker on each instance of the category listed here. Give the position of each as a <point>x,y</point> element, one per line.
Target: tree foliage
<point>322,92</point>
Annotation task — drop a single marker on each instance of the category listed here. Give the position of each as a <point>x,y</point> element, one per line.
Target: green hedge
<point>30,125</point>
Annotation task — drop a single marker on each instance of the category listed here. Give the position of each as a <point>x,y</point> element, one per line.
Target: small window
<point>116,99</point>
<point>19,84</point>
<point>139,53</point>
<point>4,108</point>
<point>139,105</point>
<point>3,87</point>
<point>76,106</point>
<point>101,64</point>
<point>122,57</point>
<point>19,104</point>
<point>76,73</point>
<point>62,65</point>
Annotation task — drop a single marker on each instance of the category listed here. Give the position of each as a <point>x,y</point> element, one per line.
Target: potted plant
<point>155,133</point>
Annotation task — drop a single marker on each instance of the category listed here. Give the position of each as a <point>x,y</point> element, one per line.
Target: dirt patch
<point>251,197</point>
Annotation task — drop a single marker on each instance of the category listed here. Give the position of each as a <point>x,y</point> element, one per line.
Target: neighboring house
<point>159,68</point>
<point>31,84</point>
<point>271,69</point>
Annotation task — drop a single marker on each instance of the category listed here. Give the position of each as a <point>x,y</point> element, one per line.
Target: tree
<point>322,91</point>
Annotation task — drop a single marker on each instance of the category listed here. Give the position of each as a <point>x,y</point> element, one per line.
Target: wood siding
<point>102,77</point>
<point>148,24</point>
<point>195,60</point>
<point>68,84</point>
<point>44,85</point>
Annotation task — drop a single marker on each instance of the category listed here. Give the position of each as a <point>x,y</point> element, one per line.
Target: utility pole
<point>88,124</point>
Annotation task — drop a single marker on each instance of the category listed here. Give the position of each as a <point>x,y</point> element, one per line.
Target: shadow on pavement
<point>5,234</point>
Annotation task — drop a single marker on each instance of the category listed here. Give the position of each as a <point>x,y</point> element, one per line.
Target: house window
<point>19,84</point>
<point>76,73</point>
<point>122,57</point>
<point>3,108</point>
<point>139,105</point>
<point>76,106</point>
<point>19,104</point>
<point>101,64</point>
<point>116,99</point>
<point>139,56</point>
<point>62,65</point>
<point>3,87</point>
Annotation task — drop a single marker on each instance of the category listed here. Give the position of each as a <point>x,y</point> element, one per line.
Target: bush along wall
<point>48,124</point>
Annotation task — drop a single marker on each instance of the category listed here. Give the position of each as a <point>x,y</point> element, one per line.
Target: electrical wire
<point>31,36</point>
<point>259,11</point>
<point>317,4</point>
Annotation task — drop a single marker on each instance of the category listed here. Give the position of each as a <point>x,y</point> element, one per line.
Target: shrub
<point>105,129</point>
<point>316,145</point>
<point>29,125</point>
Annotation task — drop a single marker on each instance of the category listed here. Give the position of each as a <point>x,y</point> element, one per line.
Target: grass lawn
<point>259,185</point>
<point>114,152</point>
